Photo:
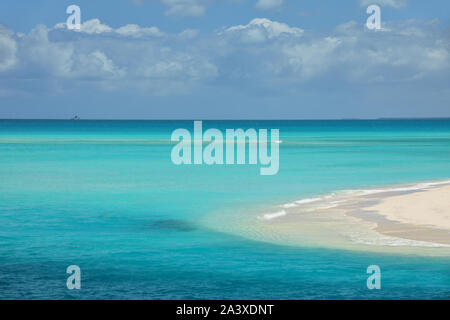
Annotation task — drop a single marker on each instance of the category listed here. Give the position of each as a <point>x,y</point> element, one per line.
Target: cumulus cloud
<point>309,59</point>
<point>133,30</point>
<point>403,52</point>
<point>384,3</point>
<point>94,26</point>
<point>261,53</point>
<point>260,29</point>
<point>95,65</point>
<point>406,51</point>
<point>129,57</point>
<point>268,4</point>
<point>41,57</point>
<point>8,49</point>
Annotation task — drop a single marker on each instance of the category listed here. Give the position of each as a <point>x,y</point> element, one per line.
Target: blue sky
<point>224,59</point>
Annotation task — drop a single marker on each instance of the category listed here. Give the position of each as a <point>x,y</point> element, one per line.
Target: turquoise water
<point>105,195</point>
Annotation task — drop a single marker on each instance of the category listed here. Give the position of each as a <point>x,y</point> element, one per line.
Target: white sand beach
<point>422,215</point>
<point>429,208</point>
<point>410,219</point>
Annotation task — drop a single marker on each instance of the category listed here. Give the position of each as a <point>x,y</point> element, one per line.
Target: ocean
<point>105,196</point>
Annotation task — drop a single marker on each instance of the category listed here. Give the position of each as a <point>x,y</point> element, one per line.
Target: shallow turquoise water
<point>105,195</point>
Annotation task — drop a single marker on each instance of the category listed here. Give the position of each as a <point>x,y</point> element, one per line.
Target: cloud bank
<point>261,53</point>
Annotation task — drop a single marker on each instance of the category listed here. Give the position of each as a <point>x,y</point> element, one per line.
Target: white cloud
<point>384,3</point>
<point>95,65</point>
<point>406,50</point>
<point>260,29</point>
<point>403,52</point>
<point>99,55</point>
<point>261,53</point>
<point>268,4</point>
<point>8,49</point>
<point>94,26</point>
<point>42,57</point>
<point>312,58</point>
<point>133,30</point>
<point>179,66</point>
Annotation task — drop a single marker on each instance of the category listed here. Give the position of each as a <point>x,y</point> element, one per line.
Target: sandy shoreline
<point>426,208</point>
<point>412,218</point>
<point>399,219</point>
<point>422,215</point>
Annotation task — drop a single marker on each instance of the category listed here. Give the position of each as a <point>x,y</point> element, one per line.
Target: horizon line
<point>229,119</point>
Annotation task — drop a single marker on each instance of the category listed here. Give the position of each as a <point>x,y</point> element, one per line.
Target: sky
<point>224,59</point>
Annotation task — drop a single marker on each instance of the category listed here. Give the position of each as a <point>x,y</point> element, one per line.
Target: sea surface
<point>105,195</point>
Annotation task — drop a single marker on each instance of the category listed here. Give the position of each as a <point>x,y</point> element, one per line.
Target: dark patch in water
<point>173,224</point>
